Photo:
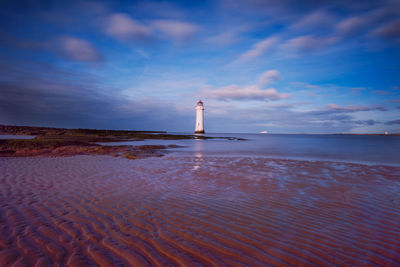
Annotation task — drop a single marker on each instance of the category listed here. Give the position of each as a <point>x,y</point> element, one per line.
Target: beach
<point>197,210</point>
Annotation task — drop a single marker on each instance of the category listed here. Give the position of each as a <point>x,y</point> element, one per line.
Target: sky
<point>258,65</point>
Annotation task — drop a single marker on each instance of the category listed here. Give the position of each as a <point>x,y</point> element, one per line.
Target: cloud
<point>354,108</point>
<point>229,34</point>
<point>382,92</point>
<point>365,122</point>
<point>74,100</point>
<point>78,49</point>
<point>334,109</point>
<point>159,9</point>
<point>44,102</point>
<point>345,119</point>
<point>357,90</point>
<point>394,122</point>
<point>268,77</point>
<point>142,53</point>
<point>352,26</point>
<point>69,47</point>
<point>178,31</point>
<point>306,85</point>
<point>386,17</point>
<point>223,39</point>
<point>259,48</point>
<point>252,92</point>
<point>123,27</point>
<point>285,119</point>
<point>388,30</point>
<point>16,42</point>
<point>309,43</point>
<point>249,92</point>
<point>315,20</point>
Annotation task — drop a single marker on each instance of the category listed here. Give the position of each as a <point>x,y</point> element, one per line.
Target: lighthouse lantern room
<point>199,117</point>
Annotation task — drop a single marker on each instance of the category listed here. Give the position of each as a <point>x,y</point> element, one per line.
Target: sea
<point>365,149</point>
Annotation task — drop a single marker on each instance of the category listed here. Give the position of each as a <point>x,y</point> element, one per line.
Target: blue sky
<point>282,66</point>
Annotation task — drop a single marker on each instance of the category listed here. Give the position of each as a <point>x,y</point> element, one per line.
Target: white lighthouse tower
<point>199,117</point>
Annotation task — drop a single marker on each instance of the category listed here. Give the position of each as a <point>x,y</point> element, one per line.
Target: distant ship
<point>263,132</point>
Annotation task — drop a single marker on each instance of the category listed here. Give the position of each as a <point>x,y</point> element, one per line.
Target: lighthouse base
<point>199,132</point>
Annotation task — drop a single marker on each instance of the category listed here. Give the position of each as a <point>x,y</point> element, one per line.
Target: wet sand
<point>197,211</point>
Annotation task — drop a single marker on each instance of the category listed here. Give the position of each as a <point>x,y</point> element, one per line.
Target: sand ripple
<point>197,211</point>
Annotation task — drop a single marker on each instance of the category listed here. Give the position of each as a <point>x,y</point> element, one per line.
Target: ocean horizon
<point>367,149</point>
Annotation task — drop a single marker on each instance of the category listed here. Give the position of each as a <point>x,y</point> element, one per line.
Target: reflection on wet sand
<point>197,211</point>
<point>198,153</point>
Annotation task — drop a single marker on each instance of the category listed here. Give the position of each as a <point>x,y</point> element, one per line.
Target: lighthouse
<point>199,117</point>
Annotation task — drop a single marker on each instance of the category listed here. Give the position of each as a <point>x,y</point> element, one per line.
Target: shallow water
<point>344,148</point>
<point>197,210</point>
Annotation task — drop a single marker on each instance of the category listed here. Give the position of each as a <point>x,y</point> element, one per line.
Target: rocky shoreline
<point>69,142</point>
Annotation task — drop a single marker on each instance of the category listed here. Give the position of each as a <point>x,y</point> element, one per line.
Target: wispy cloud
<point>389,30</point>
<point>251,92</point>
<point>259,48</point>
<point>352,26</point>
<point>393,122</point>
<point>268,77</point>
<point>382,92</point>
<point>123,27</point>
<point>229,34</point>
<point>178,31</point>
<point>309,43</point>
<point>305,85</point>
<point>364,122</point>
<point>160,9</point>
<point>78,49</point>
<point>315,20</point>
<point>223,39</point>
<point>357,90</point>
<point>352,108</point>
